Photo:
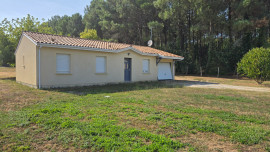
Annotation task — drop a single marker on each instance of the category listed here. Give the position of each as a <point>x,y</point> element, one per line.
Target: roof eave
<point>23,34</point>
<point>94,49</point>
<point>171,57</point>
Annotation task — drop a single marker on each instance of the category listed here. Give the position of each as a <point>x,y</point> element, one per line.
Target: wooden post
<point>187,70</point>
<point>218,72</point>
<point>201,70</point>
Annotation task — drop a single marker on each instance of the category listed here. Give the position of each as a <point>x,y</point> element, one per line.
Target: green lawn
<point>150,116</point>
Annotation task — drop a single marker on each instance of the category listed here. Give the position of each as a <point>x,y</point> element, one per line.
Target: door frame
<point>130,72</point>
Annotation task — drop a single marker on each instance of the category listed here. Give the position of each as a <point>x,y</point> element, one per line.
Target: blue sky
<point>40,8</point>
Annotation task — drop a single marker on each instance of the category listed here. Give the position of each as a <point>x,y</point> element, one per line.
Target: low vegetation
<point>150,116</point>
<point>256,65</point>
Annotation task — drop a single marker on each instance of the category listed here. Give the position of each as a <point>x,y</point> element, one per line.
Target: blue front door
<point>127,69</point>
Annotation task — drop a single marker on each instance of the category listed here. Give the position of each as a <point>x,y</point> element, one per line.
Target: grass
<point>149,116</point>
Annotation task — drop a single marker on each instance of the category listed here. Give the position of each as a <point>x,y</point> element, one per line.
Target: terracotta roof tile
<point>70,41</point>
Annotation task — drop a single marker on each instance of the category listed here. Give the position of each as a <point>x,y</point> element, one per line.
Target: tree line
<point>209,34</point>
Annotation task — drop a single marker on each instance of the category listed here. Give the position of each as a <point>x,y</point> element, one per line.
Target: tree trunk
<point>230,22</point>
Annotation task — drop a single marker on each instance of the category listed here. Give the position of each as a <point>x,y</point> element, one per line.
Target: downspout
<point>39,81</point>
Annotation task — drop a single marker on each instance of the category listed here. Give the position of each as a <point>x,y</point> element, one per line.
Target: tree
<point>6,50</point>
<point>256,65</point>
<point>75,25</point>
<point>10,33</point>
<point>91,17</point>
<point>44,28</point>
<point>156,26</point>
<point>15,27</point>
<point>89,34</point>
<point>124,21</point>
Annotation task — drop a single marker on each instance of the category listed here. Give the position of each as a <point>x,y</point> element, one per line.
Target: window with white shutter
<point>63,63</point>
<point>100,64</point>
<point>146,66</point>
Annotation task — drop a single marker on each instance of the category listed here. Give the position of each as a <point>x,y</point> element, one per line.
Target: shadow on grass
<point>122,87</point>
<point>191,83</point>
<point>9,78</point>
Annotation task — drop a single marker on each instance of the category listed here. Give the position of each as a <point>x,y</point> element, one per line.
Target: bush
<point>256,65</point>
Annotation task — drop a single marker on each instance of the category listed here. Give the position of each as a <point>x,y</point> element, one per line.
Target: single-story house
<point>47,61</point>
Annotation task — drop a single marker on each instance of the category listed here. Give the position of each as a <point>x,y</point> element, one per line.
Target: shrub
<point>256,65</point>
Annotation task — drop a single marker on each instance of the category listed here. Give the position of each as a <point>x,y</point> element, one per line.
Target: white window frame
<point>146,66</point>
<point>68,69</point>
<point>98,64</point>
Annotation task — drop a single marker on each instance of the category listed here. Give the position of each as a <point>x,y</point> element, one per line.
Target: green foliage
<point>10,33</point>
<point>59,24</point>
<point>256,65</point>
<point>6,50</point>
<point>209,34</point>
<point>155,24</point>
<point>44,28</point>
<point>89,34</point>
<point>67,25</point>
<point>75,25</point>
<point>22,149</point>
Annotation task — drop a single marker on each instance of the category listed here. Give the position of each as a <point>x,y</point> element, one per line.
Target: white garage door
<point>164,71</point>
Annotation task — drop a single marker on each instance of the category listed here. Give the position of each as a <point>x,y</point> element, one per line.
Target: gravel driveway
<point>199,84</point>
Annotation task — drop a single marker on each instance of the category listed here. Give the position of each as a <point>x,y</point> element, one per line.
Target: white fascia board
<point>171,57</point>
<point>21,40</point>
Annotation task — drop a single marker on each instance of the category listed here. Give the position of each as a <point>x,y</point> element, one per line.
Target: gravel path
<point>198,84</point>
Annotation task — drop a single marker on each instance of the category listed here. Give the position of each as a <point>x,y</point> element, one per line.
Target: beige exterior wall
<point>26,63</point>
<point>83,68</point>
<point>82,65</point>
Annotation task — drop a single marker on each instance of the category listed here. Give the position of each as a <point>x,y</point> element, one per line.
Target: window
<point>63,63</point>
<point>146,66</point>
<point>100,64</point>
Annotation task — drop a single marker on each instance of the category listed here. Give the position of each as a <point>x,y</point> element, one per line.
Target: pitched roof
<point>41,38</point>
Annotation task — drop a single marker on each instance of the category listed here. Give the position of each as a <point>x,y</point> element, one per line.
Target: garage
<point>164,71</point>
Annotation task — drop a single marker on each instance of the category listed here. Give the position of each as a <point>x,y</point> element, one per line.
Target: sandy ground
<point>199,84</point>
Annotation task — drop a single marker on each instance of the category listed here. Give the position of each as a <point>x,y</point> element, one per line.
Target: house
<point>46,61</point>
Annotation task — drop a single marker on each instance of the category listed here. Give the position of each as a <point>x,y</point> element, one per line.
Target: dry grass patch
<point>15,96</point>
<point>210,142</point>
<point>7,73</point>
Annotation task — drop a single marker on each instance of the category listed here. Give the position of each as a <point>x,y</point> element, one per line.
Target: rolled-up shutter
<point>100,64</point>
<point>146,66</point>
<point>62,63</point>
